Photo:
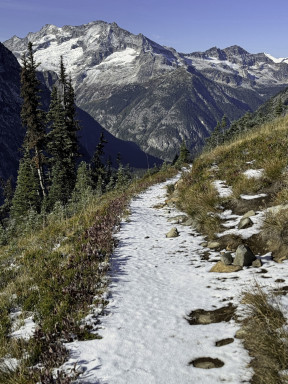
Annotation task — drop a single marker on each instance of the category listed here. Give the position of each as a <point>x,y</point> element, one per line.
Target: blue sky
<point>186,25</point>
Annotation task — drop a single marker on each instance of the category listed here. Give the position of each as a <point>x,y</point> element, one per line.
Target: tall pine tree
<point>67,95</point>
<point>59,148</point>
<point>99,176</point>
<point>27,193</point>
<point>32,115</point>
<point>62,142</point>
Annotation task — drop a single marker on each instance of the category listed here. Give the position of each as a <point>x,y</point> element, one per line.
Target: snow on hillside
<point>277,60</point>
<point>155,282</point>
<point>49,58</point>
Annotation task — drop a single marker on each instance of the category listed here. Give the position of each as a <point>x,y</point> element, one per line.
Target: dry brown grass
<point>264,147</point>
<point>201,201</point>
<point>275,233</point>
<point>265,337</point>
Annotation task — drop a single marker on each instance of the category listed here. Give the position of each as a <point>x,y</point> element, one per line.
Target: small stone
<point>221,343</point>
<point>222,268</point>
<point>244,256</point>
<point>172,233</point>
<point>257,263</point>
<point>204,244</point>
<point>172,202</point>
<point>207,363</point>
<point>178,219</point>
<point>245,222</point>
<point>189,222</point>
<point>241,333</point>
<point>213,244</point>
<point>159,206</point>
<point>226,258</point>
<point>249,214</point>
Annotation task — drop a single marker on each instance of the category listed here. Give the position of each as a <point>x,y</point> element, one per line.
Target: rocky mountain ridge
<point>153,95</point>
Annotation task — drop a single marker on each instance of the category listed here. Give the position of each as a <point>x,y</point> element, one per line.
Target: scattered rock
<point>173,232</point>
<point>206,363</point>
<point>249,214</point>
<point>244,256</point>
<point>222,268</point>
<point>172,201</point>
<point>223,342</point>
<point>205,256</point>
<point>281,291</point>
<point>203,317</point>
<point>159,206</point>
<point>213,244</point>
<point>257,263</point>
<point>241,333</point>
<point>189,222</point>
<point>226,258</point>
<point>245,222</point>
<point>178,219</point>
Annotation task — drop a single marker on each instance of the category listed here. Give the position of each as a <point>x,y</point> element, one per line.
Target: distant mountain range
<point>149,94</point>
<point>140,92</point>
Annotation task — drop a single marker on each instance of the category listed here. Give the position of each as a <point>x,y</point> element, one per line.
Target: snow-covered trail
<point>155,283</point>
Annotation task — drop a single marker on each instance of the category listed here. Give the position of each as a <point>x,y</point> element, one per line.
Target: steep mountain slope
<point>153,95</point>
<point>11,131</point>
<point>275,106</point>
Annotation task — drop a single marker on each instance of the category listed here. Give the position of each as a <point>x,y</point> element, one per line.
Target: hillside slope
<point>11,131</point>
<point>250,173</point>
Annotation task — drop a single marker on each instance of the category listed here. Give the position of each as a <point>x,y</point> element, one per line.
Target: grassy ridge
<point>265,148</point>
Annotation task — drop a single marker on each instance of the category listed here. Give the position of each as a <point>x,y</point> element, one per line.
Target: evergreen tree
<point>175,159</point>
<point>279,108</point>
<point>83,180</point>
<point>184,154</point>
<point>83,186</point>
<point>214,139</point>
<point>59,147</point>
<point>7,194</point>
<point>62,140</point>
<point>67,95</point>
<point>58,191</point>
<point>27,193</point>
<point>224,123</point>
<point>32,115</point>
<point>122,177</point>
<point>108,173</point>
<point>98,168</point>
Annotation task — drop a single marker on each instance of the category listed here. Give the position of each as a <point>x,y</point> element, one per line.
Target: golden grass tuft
<point>265,337</point>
